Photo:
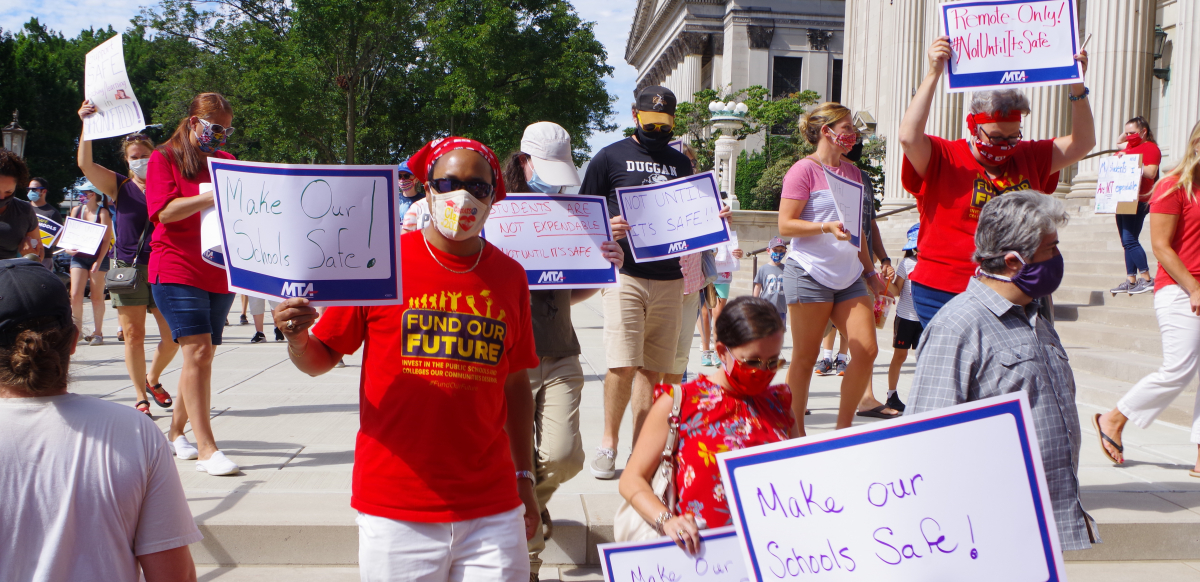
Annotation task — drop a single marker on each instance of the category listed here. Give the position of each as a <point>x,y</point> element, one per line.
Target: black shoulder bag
<point>124,280</point>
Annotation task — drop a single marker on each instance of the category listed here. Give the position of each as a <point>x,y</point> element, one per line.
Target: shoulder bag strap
<point>667,465</point>
<point>141,242</point>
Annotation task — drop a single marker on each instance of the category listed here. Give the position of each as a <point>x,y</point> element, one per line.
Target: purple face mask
<point>1035,279</point>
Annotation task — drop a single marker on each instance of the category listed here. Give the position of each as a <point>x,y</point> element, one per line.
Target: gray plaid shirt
<point>981,345</point>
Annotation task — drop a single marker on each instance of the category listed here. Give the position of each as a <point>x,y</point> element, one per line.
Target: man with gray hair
<point>989,341</point>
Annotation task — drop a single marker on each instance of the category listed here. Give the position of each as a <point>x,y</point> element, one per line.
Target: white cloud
<point>70,17</point>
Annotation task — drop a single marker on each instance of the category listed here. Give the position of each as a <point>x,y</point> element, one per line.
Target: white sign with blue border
<point>330,234</point>
<point>720,560</point>
<point>1002,43</point>
<point>952,494</point>
<point>674,218</point>
<point>556,238</point>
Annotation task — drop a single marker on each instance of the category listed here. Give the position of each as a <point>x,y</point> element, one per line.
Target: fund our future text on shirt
<point>953,494</point>
<point>999,43</point>
<point>673,218</point>
<point>556,238</point>
<point>330,234</point>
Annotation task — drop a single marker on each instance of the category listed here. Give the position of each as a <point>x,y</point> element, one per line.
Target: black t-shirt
<point>628,163</point>
<point>16,220</point>
<point>49,211</point>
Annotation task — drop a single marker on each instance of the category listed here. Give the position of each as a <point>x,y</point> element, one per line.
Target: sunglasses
<point>652,127</point>
<point>480,190</point>
<point>218,129</point>
<point>37,189</point>
<point>405,176</point>
<point>137,137</point>
<point>768,365</point>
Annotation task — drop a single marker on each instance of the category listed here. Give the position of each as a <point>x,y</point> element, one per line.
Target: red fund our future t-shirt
<point>949,200</point>
<point>175,247</point>
<point>431,444</point>
<point>1186,242</point>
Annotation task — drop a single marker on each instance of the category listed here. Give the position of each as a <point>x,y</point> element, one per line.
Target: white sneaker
<point>217,464</point>
<point>184,450</point>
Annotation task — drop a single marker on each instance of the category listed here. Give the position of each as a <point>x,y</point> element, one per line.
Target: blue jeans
<point>191,310</point>
<point>1130,227</point>
<point>928,301</point>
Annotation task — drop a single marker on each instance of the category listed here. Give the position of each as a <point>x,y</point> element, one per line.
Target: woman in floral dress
<point>733,408</point>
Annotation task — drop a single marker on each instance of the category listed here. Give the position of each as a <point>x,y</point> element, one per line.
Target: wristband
<point>527,475</point>
<point>660,520</point>
<point>1086,91</point>
<point>823,228</point>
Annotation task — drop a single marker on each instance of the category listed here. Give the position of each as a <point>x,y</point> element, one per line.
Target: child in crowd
<point>768,282</point>
<point>907,326</point>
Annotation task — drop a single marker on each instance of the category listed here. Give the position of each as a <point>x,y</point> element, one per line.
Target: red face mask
<point>846,140</point>
<point>747,381</point>
<point>1133,141</point>
<point>995,153</point>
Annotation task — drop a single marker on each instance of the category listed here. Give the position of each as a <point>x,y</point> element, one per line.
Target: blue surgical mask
<point>777,257</point>
<point>32,195</point>
<point>537,185</point>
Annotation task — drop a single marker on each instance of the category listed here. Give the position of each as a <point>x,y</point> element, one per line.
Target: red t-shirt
<point>1186,242</point>
<point>1151,156</point>
<point>175,247</point>
<point>951,196</point>
<point>431,445</point>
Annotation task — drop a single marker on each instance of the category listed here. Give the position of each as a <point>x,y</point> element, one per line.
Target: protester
<point>768,281</point>
<point>19,231</point>
<point>407,186</point>
<point>1138,140</point>
<point>953,180</point>
<point>38,189</point>
<point>87,271</point>
<point>830,362</point>
<point>726,256</point>
<point>191,293</point>
<point>824,273</point>
<point>734,407</point>
<point>257,306</point>
<point>133,233</point>
<point>1175,234</point>
<point>417,217</point>
<point>906,326</point>
<point>449,504</point>
<point>989,341</point>
<point>89,487</point>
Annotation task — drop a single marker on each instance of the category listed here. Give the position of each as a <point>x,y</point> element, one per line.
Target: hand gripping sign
<point>720,560</point>
<point>327,233</point>
<point>952,494</point>
<point>556,238</point>
<point>672,219</point>
<point>1000,43</point>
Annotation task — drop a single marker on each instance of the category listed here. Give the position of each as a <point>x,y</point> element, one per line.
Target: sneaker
<point>217,464</point>
<point>824,367</point>
<point>279,335</point>
<point>840,366</point>
<point>185,450</point>
<point>1142,286</point>
<point>244,321</point>
<point>604,466</point>
<point>1124,287</point>
<point>259,337</point>
<point>894,403</point>
<point>97,339</point>
<point>708,358</point>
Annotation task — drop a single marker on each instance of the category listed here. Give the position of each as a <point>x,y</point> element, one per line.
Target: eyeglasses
<point>769,365</point>
<point>1011,140</point>
<point>480,190</point>
<point>216,128</point>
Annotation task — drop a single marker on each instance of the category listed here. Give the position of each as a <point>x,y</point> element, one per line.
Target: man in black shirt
<point>643,315</point>
<point>38,188</point>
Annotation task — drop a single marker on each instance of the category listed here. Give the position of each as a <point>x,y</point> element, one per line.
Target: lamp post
<point>14,137</point>
<point>1160,43</point>
<point>727,117</point>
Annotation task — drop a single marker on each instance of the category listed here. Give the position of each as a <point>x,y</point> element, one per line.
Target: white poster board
<point>848,199</point>
<point>556,238</point>
<point>953,494</point>
<point>327,233</point>
<point>720,560</point>
<point>1001,43</point>
<point>1118,183</point>
<point>82,236</point>
<point>674,218</point>
<point>107,86</point>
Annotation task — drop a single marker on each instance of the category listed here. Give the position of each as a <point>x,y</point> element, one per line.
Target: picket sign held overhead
<point>82,236</point>
<point>848,200</point>
<point>106,85</point>
<point>674,218</point>
<point>330,234</point>
<point>1118,184</point>
<point>953,494</point>
<point>1003,43</point>
<point>556,238</point>
<point>720,560</point>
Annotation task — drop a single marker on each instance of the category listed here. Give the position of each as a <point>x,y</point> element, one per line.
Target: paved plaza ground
<point>287,514</point>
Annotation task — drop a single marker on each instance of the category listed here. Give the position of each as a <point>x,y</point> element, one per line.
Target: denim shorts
<point>800,287</point>
<point>86,262</point>
<point>191,310</point>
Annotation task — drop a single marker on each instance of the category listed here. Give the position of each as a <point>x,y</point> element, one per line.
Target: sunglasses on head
<point>217,128</point>
<point>137,137</point>
<point>768,365</point>
<point>478,189</point>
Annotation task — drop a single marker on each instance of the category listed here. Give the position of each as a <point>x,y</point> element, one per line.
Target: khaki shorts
<point>687,331</point>
<point>140,298</point>
<point>641,323</point>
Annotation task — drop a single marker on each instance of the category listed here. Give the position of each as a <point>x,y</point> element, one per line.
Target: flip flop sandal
<point>120,335</point>
<point>877,412</point>
<point>1103,438</point>
<point>143,403</point>
<point>1195,474</point>
<point>161,397</point>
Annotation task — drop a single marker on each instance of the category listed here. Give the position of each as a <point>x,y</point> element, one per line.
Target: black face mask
<point>4,202</point>
<point>654,141</point>
<point>855,153</point>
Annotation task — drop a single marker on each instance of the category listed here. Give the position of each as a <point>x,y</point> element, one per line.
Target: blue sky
<point>612,17</point>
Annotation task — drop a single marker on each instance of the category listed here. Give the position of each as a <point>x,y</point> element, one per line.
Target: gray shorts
<point>800,287</point>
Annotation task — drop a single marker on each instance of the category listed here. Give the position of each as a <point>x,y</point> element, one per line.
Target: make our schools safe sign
<point>674,218</point>
<point>952,494</point>
<point>1118,183</point>
<point>106,84</point>
<point>720,560</point>
<point>556,238</point>
<point>330,234</point>
<point>999,43</point>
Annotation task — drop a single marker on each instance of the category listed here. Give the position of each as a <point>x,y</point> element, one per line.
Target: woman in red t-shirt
<point>953,180</point>
<point>1175,234</point>
<point>191,294</point>
<point>1138,140</point>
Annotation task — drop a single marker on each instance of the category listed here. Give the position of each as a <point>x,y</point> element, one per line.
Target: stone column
<point>1185,78</point>
<point>691,53</point>
<point>908,68</point>
<point>1050,117</point>
<point>1119,75</point>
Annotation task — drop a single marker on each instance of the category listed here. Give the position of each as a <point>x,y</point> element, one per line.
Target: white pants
<point>1181,359</point>
<point>486,549</point>
<point>258,305</point>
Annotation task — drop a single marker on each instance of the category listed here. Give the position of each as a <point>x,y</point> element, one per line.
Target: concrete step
<point>1072,294</point>
<point>1097,282</point>
<point>1110,337</point>
<point>1102,267</point>
<point>1122,317</point>
<point>1116,256</point>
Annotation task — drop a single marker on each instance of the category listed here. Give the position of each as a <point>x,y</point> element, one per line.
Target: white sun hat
<point>549,147</point>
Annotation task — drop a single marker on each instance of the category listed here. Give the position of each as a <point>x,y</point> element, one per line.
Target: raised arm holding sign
<point>1002,43</point>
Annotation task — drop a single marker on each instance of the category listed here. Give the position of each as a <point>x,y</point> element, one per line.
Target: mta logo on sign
<point>677,246</point>
<point>1013,77</point>
<point>297,290</point>
<point>551,277</point>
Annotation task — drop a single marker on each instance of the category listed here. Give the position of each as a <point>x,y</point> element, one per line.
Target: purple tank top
<point>129,218</point>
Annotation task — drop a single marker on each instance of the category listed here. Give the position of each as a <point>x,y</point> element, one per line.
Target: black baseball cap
<point>656,99</point>
<point>30,293</point>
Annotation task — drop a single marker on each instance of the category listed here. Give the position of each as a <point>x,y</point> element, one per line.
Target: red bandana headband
<point>974,121</point>
<point>422,162</point>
